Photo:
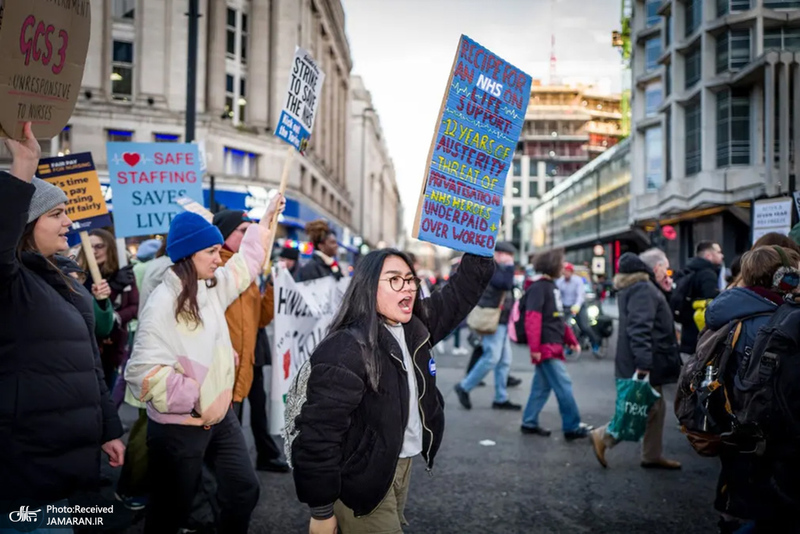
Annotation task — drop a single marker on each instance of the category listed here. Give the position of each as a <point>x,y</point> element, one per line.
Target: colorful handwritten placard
<point>76,175</point>
<point>479,125</point>
<point>302,99</point>
<point>148,179</point>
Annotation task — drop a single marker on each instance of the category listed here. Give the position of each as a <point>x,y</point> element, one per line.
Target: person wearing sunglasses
<point>366,403</point>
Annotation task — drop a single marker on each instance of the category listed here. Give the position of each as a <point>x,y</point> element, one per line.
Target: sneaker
<point>132,503</point>
<point>463,397</point>
<point>583,431</point>
<point>460,351</point>
<point>274,465</point>
<point>535,430</point>
<point>513,381</point>
<point>506,405</point>
<point>596,351</point>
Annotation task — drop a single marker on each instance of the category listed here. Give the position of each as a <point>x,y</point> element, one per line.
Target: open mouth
<point>405,305</point>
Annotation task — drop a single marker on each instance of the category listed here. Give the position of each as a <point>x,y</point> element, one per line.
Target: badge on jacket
<point>432,367</point>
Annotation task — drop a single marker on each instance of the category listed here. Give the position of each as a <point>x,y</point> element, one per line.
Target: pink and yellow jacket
<point>177,368</point>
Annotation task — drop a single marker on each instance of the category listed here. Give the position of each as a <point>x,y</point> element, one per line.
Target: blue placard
<point>302,100</point>
<point>480,123</point>
<point>147,179</point>
<point>76,175</point>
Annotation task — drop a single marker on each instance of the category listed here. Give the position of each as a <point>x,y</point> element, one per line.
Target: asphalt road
<point>528,484</point>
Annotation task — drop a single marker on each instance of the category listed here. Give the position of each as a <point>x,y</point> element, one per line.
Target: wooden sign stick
<point>88,251</point>
<point>273,224</point>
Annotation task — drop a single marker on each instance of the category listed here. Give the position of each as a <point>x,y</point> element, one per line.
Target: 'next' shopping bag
<point>634,400</point>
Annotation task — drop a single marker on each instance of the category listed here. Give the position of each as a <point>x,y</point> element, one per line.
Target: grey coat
<point>647,339</point>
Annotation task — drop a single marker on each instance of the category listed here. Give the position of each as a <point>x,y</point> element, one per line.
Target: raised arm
<point>446,308</point>
<point>244,266</point>
<point>16,192</point>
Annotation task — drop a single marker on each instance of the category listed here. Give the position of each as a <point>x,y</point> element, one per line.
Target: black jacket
<point>55,410</point>
<point>501,284</point>
<point>646,338</point>
<point>704,286</point>
<point>316,268</point>
<point>350,437</point>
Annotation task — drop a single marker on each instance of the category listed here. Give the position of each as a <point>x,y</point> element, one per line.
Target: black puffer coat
<point>55,410</point>
<point>647,338</point>
<point>316,268</point>
<point>349,436</point>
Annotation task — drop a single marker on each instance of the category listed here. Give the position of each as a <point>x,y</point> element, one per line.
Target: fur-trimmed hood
<point>623,280</point>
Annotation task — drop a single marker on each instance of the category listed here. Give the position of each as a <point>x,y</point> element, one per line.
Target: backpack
<point>681,299</point>
<point>717,406</point>
<point>516,321</point>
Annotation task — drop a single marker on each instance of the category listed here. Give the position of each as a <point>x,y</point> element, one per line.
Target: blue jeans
<point>497,356</point>
<point>552,374</point>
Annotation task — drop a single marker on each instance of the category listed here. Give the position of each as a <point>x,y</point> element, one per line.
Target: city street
<point>526,484</point>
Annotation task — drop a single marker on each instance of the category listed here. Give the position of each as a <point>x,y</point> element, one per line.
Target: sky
<point>403,49</point>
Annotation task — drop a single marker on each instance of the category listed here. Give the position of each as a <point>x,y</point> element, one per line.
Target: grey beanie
<point>46,197</point>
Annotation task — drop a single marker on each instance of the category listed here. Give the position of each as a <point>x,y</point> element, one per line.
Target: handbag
<point>485,320</point>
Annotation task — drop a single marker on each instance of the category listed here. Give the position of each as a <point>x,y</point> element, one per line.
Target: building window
<point>516,167</point>
<point>668,80</point>
<point>694,16</point>
<point>123,9</point>
<point>653,143</point>
<point>516,189</point>
<point>533,168</point>
<point>516,224</point>
<point>230,36</point>
<point>733,50</point>
<point>723,52</point>
<point>652,49</point>
<point>533,189</point>
<point>230,95</point>
<point>241,101</point>
<point>782,38</point>
<point>243,38</point>
<point>733,128</point>
<point>668,30</point>
<point>241,163</point>
<point>693,138</point>
<point>549,185</point>
<point>119,136</point>
<point>166,138</point>
<point>65,141</point>
<point>692,66</point>
<point>781,4</point>
<point>652,12</point>
<point>667,147</point>
<point>731,6</point>
<point>551,169</point>
<point>122,70</point>
<point>653,96</point>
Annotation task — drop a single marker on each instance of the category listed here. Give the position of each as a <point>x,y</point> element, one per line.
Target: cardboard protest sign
<point>302,97</point>
<point>479,124</point>
<point>76,176</point>
<point>148,179</point>
<point>303,312</point>
<point>195,207</point>
<point>44,45</point>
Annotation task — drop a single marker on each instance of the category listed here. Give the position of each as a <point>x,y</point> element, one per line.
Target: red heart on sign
<point>131,158</point>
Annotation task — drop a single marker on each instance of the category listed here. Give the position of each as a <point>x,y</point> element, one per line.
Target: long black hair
<point>359,310</point>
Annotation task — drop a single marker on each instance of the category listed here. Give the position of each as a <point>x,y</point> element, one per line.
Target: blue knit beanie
<point>190,233</point>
